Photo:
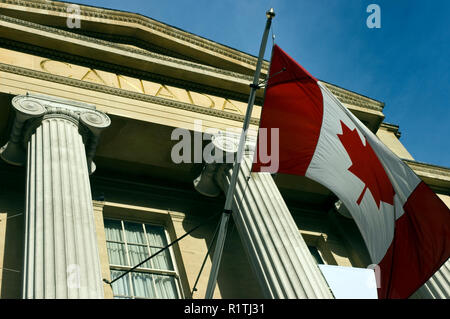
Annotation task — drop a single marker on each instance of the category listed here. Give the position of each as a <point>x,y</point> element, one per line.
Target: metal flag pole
<point>237,164</point>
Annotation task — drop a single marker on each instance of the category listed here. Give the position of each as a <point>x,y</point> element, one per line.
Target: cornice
<point>125,41</point>
<point>444,172</point>
<point>437,177</point>
<point>391,128</point>
<point>134,18</point>
<point>123,93</point>
<point>161,57</point>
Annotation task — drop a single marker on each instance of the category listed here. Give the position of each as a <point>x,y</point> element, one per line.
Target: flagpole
<point>237,164</point>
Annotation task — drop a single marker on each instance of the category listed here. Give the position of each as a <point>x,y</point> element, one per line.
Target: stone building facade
<point>88,188</point>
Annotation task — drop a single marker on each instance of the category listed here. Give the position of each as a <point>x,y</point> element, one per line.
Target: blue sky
<point>404,64</point>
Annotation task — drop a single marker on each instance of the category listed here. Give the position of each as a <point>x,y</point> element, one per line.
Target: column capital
<point>32,109</point>
<point>94,120</point>
<point>27,108</point>
<point>220,159</point>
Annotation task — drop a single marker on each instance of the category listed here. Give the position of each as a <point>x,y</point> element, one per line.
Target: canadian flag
<point>405,226</point>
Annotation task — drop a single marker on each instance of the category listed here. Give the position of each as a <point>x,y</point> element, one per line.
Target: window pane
<point>162,260</point>
<point>116,254</point>
<point>134,233</point>
<point>166,287</point>
<point>156,236</point>
<point>143,285</point>
<point>113,230</point>
<point>120,287</point>
<point>139,284</point>
<point>137,254</point>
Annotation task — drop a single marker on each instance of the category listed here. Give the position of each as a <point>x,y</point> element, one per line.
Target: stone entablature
<point>118,84</point>
<point>239,79</point>
<point>137,21</point>
<point>124,86</point>
<point>92,48</point>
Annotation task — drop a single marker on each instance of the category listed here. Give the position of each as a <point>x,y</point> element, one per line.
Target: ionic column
<point>61,255</point>
<point>278,254</point>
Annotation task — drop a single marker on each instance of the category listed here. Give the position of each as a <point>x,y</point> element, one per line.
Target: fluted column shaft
<point>284,266</point>
<point>277,252</point>
<point>438,286</point>
<point>61,257</point>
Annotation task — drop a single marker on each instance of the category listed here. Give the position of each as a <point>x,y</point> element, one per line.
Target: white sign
<point>349,282</point>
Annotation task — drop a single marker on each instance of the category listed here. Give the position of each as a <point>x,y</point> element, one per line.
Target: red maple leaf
<point>367,167</point>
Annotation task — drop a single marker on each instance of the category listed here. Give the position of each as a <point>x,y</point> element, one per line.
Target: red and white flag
<point>405,226</point>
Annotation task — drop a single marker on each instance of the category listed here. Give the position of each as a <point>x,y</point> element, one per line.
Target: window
<point>128,244</point>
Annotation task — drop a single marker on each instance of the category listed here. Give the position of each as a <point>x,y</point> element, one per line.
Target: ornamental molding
<point>123,93</point>
<point>134,18</point>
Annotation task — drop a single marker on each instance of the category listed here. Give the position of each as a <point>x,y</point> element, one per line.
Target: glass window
<point>129,244</point>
